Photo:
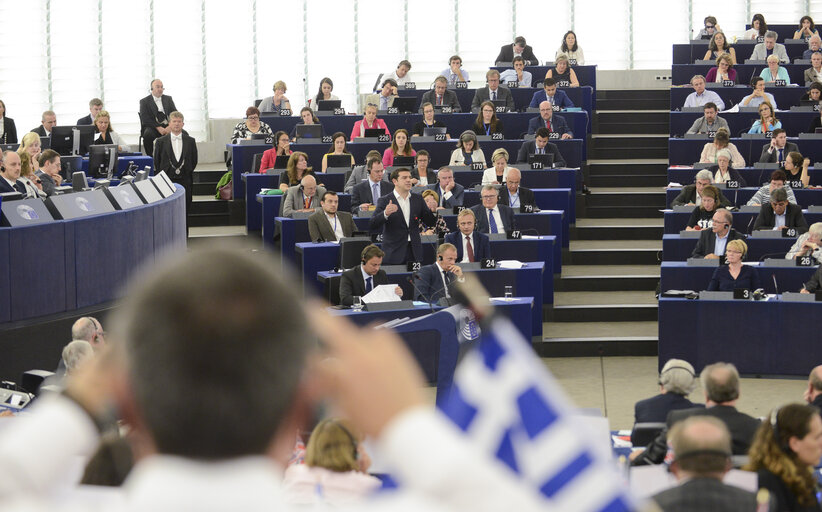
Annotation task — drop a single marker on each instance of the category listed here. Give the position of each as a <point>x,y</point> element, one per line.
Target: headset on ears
<point>439,257</point>
<point>775,429</point>
<point>680,367</point>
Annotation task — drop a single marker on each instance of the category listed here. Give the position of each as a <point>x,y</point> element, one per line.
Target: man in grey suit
<point>702,451</point>
<point>328,224</point>
<point>385,98</point>
<point>814,73</point>
<point>440,96</point>
<point>769,47</point>
<point>49,172</point>
<point>304,197</point>
<point>492,92</point>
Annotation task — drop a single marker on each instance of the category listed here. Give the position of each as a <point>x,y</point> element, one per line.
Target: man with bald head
<point>86,328</point>
<point>712,242</point>
<point>10,167</point>
<point>304,197</point>
<point>547,119</point>
<point>515,196</point>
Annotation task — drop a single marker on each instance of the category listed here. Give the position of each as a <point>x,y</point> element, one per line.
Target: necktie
<point>383,103</point>
<point>375,192</point>
<point>493,95</point>
<point>469,249</point>
<point>177,146</point>
<point>20,187</point>
<point>492,224</point>
<point>439,100</point>
<point>548,125</point>
<point>307,203</point>
<point>780,155</point>
<point>368,285</point>
<point>445,280</point>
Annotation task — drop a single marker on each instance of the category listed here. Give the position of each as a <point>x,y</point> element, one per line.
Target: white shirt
<point>497,219</point>
<point>365,277</point>
<point>444,196</point>
<point>779,220</point>
<point>177,145</point>
<point>158,102</point>
<point>513,199</point>
<point>2,127</point>
<point>442,274</point>
<point>405,208</point>
<point>699,100</point>
<point>465,239</point>
<point>336,226</point>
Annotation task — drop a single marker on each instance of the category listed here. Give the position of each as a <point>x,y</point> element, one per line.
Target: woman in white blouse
<point>498,174</point>
<point>468,151</point>
<point>571,49</point>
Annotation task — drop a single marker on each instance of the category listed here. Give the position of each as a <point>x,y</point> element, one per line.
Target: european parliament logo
<point>469,327</point>
<point>84,204</point>
<point>27,212</point>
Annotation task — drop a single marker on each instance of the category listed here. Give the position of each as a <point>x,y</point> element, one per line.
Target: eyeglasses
<point>253,118</point>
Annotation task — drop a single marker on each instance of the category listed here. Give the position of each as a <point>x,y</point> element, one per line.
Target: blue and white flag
<point>507,403</point>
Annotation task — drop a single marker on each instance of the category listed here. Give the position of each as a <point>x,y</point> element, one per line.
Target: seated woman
<point>295,170</point>
<point>8,130</point>
<point>400,146</point>
<point>308,118</point>
<point>767,121</point>
<point>335,469</point>
<point>282,147</point>
<point>468,150</point>
<point>796,169</point>
<point>734,275</point>
<point>784,452</point>
<point>774,71</point>
<point>277,102</point>
<point>30,146</point>
<point>339,146</point>
<point>498,174</point>
<point>571,49</point>
<point>106,134</point>
<point>806,29</point>
<point>814,93</point>
<point>677,380</point>
<point>718,47</point>
<point>758,28</point>
<point>432,201</point>
<point>251,125</point>
<point>722,71</point>
<point>562,73</point>
<point>758,95</point>
<point>722,140</point>
<point>702,216</point>
<point>428,121</point>
<point>517,74</point>
<point>33,183</point>
<point>326,86</point>
<point>486,122</point>
<point>421,174</point>
<point>724,171</point>
<point>369,120</point>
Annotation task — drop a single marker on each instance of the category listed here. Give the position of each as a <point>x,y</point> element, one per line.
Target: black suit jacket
<point>9,131</point>
<point>149,115</point>
<point>85,120</point>
<point>5,187</point>
<point>656,408</point>
<point>771,157</point>
<point>506,54</point>
<point>526,197</point>
<point>457,195</point>
<point>530,147</point>
<point>707,242</point>
<point>395,232</point>
<point>483,94</point>
<point>449,99</point>
<point>361,193</point>
<point>706,493</point>
<point>793,218</point>
<point>352,284</point>
<point>815,283</point>
<point>183,170</point>
<point>479,241</point>
<point>505,213</point>
<point>41,131</point>
<point>429,283</point>
<point>688,195</point>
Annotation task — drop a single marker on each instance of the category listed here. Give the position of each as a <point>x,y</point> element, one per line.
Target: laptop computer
<point>328,105</point>
<point>309,131</point>
<point>338,160</point>
<point>405,104</point>
<point>373,132</point>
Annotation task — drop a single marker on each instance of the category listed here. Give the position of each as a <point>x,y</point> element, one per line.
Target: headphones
<point>659,381</point>
<point>439,257</point>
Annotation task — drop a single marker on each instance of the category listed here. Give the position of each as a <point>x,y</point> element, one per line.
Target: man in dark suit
<point>49,172</point>
<point>451,193</point>
<point>690,193</point>
<point>509,51</point>
<point>779,213</point>
<point>815,283</point>
<point>540,145</point>
<point>329,224</point>
<point>365,194</point>
<point>720,382</point>
<point>94,108</point>
<point>47,121</point>
<point>176,154</point>
<point>493,217</point>
<point>549,92</point>
<point>702,456</point>
<point>491,92</point>
<point>777,150</point>
<point>10,167</point>
<point>154,114</point>
<point>471,245</point>
<point>711,244</point>
<point>553,123</point>
<point>515,196</point>
<point>397,215</point>
<point>363,278</point>
<point>434,281</point>
<point>441,96</point>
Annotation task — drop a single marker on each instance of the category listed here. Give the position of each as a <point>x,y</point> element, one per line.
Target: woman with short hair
<point>277,102</point>
<point>498,173</point>
<point>562,73</point>
<point>734,274</point>
<point>250,126</point>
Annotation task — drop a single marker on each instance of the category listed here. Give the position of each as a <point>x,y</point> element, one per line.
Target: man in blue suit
<point>451,193</point>
<point>552,94</point>
<point>10,168</point>
<point>547,120</point>
<point>471,245</point>
<point>398,215</point>
<point>434,281</point>
<point>364,195</point>
<point>493,217</point>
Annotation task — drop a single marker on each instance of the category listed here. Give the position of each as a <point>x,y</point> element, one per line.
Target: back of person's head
<point>678,376</point>
<point>702,446</point>
<point>779,175</point>
<point>720,382</point>
<point>84,328</point>
<point>215,343</point>
<point>77,353</point>
<point>333,445</point>
<point>722,136</point>
<point>703,174</point>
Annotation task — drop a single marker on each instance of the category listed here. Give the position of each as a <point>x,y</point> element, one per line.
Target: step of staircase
<point>615,252</point>
<point>605,278</point>
<point>207,211</point>
<point>616,228</point>
<point>634,100</point>
<point>576,339</point>
<point>610,306</point>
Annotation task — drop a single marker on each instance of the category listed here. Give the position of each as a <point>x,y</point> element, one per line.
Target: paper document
<point>510,264</point>
<point>382,293</point>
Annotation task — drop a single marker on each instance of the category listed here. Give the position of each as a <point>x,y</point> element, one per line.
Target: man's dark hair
<point>548,82</point>
<point>404,63</point>
<point>708,105</point>
<point>779,175</point>
<point>778,131</point>
<point>395,174</point>
<point>755,80</point>
<point>518,58</point>
<point>390,81</point>
<point>215,343</point>
<point>370,163</point>
<point>327,193</point>
<point>371,251</point>
<point>543,133</point>
<point>779,195</point>
<point>424,153</point>
<point>47,155</point>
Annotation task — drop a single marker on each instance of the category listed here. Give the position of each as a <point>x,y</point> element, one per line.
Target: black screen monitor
<point>102,160</point>
<point>45,143</point>
<point>309,131</point>
<point>405,104</point>
<point>338,160</point>
<point>433,130</point>
<point>9,147</point>
<point>328,105</point>
<point>281,162</point>
<point>546,159</point>
<point>403,161</point>
<point>64,141</point>
<point>374,132</point>
<point>261,136</point>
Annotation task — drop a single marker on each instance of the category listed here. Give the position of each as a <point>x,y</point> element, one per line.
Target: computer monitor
<point>374,132</point>
<point>9,147</point>
<point>500,103</point>
<point>405,104</point>
<point>403,161</point>
<point>328,105</point>
<point>281,162</point>
<point>338,160</point>
<point>434,130</point>
<point>309,131</point>
<point>72,140</point>
<point>262,136</point>
<point>45,143</point>
<point>546,159</point>
<point>102,160</point>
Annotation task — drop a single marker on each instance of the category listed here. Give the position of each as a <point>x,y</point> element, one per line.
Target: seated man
<point>454,72</point>
<point>434,281</point>
<point>94,108</point>
<point>540,146</point>
<point>758,96</point>
<point>360,172</point>
<point>451,193</point>
<point>517,74</point>
<point>400,75</point>
<point>509,52</point>
<point>364,195</point>
<point>328,224</point>
<point>763,195</point>
<point>701,96</point>
<point>154,111</point>
<point>814,46</point>
<point>779,214</point>
<point>770,47</point>
<point>49,172</point>
<point>386,96</point>
<point>776,151</point>
<point>10,167</point>
<point>702,457</point>
<point>553,123</point>
<point>363,278</point>
<point>709,122</point>
<point>513,195</point>
<point>304,197</point>
<point>808,244</point>
<point>550,93</point>
<point>492,92</point>
<point>814,73</point>
<point>692,194</point>
<point>471,245</point>
<point>47,121</point>
<point>440,96</point>
<point>491,216</point>
<point>815,283</point>
<point>712,242</point>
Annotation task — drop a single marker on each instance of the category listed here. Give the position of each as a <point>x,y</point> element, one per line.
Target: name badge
<point>728,83</point>
<point>410,85</point>
<point>742,293</point>
<point>816,107</point>
<point>536,165</point>
<point>446,109</point>
<point>760,39</point>
<point>572,62</point>
<point>458,209</point>
<point>555,108</point>
<point>269,140</point>
<point>564,83</point>
<point>439,137</point>
<point>383,137</point>
<point>496,136</point>
<point>790,233</point>
<point>711,134</point>
<point>553,135</point>
<point>526,208</point>
<point>488,263</point>
<point>499,109</point>
<point>769,134</point>
<point>393,110</point>
<point>796,184</point>
<point>285,112</point>
<point>477,166</point>
<point>731,184</point>
<point>339,111</point>
<point>413,266</point>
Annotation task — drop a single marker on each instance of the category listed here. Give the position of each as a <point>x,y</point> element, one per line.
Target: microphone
<point>427,299</point>
<point>748,229</point>
<point>441,288</point>
<point>775,285</point>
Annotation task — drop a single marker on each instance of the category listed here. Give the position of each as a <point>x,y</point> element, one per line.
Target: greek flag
<point>510,406</point>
